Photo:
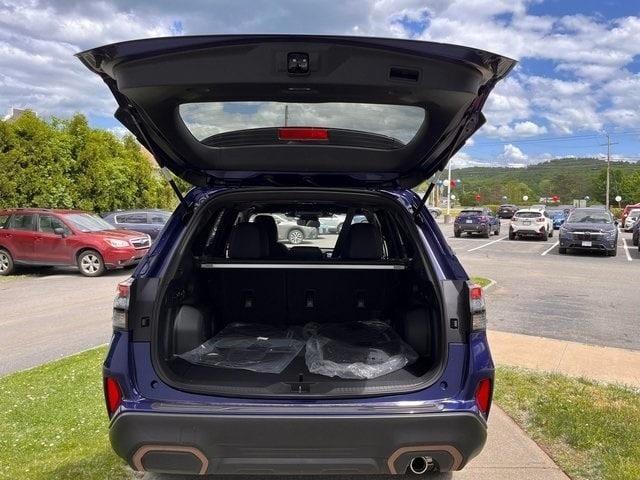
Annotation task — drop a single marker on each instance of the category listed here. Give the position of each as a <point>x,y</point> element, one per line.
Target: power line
<point>555,139</point>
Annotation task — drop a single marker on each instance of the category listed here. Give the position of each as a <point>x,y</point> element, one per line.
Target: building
<point>14,113</point>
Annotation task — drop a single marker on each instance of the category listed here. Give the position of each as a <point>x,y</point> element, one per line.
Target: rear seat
<point>295,296</point>
<point>255,297</point>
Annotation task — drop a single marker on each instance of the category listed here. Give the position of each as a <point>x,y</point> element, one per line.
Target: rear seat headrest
<point>364,242</point>
<point>269,224</point>
<point>305,253</point>
<point>248,241</point>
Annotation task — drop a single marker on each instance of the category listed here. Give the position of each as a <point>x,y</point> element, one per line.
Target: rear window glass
<point>3,220</point>
<point>528,214</point>
<point>132,218</point>
<point>470,213</point>
<point>400,122</point>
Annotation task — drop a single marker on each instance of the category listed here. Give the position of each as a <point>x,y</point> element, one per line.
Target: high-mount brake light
<point>303,134</point>
<point>119,319</point>
<point>477,308</point>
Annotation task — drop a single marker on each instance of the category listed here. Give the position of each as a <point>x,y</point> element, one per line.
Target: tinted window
<point>528,214</point>
<point>470,213</point>
<point>396,121</point>
<point>3,220</point>
<point>159,218</point>
<point>49,223</point>
<point>23,222</point>
<point>132,218</point>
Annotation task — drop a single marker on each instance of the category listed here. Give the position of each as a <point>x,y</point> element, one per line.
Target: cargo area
<point>247,310</point>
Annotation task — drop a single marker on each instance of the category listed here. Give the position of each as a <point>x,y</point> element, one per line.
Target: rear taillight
<point>483,396</point>
<point>478,308</point>
<point>112,395</point>
<point>119,319</point>
<point>303,133</point>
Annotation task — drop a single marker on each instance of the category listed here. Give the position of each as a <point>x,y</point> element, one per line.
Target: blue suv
<point>358,353</point>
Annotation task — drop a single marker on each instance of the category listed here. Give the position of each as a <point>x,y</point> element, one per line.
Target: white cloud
<point>515,131</point>
<point>512,156</point>
<point>588,86</point>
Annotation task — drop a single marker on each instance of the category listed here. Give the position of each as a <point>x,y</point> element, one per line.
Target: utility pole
<point>608,145</point>
<point>449,192</point>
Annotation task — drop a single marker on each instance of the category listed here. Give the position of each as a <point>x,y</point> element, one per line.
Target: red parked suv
<point>34,236</point>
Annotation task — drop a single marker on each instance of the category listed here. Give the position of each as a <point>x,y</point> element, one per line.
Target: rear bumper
<point>289,444</point>
<point>472,227</point>
<point>527,229</point>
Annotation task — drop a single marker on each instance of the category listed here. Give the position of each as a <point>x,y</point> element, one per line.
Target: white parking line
<point>549,249</point>
<point>626,249</point>
<point>486,244</point>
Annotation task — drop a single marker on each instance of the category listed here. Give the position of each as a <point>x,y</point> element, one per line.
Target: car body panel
<point>524,223</point>
<point>484,222</point>
<point>626,211</point>
<point>150,404</point>
<point>589,235</point>
<point>150,79</point>
<point>507,210</point>
<point>150,222</point>
<point>631,219</point>
<point>39,247</point>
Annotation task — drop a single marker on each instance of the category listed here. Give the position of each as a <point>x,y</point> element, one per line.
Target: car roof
<point>533,210</point>
<point>60,211</point>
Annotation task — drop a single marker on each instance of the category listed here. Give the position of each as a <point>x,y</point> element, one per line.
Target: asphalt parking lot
<point>583,297</point>
<point>50,313</point>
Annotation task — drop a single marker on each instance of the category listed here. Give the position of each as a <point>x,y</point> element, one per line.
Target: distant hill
<point>568,178</point>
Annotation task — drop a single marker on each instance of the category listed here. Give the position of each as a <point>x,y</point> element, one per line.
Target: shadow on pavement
<point>37,272</point>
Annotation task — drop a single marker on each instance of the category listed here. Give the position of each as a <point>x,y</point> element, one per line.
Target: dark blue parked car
<point>233,353</point>
<point>150,222</point>
<point>476,220</point>
<point>558,217</point>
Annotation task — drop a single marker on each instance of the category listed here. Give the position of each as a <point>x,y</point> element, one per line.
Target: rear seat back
<point>256,296</point>
<point>297,296</point>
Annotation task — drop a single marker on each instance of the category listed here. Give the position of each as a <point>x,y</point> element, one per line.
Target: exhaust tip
<point>420,465</point>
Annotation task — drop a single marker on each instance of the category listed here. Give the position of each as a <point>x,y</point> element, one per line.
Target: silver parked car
<point>289,230</point>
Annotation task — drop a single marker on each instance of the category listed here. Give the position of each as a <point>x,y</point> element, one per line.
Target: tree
<point>68,164</point>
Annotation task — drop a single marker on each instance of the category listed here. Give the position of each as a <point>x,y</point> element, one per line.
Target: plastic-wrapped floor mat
<point>356,350</point>
<point>255,347</point>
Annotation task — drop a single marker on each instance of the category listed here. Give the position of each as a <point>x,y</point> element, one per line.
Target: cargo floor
<point>296,378</point>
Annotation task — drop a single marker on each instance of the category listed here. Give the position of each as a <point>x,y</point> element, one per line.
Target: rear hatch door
<point>299,110</point>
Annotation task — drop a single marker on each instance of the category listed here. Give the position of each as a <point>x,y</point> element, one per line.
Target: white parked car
<point>531,222</point>
<point>332,224</point>
<point>631,219</point>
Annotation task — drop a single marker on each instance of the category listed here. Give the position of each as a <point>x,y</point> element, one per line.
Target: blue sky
<point>578,76</point>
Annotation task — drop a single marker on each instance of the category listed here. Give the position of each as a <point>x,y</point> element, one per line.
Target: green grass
<point>482,281</point>
<point>53,424</point>
<point>592,431</point>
